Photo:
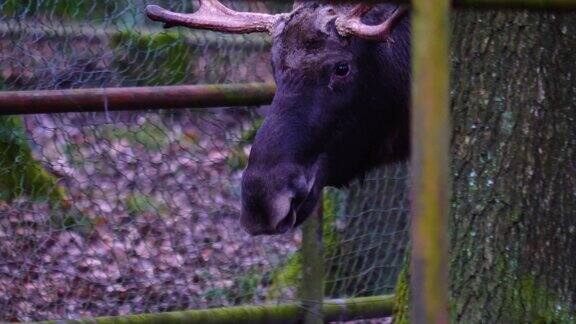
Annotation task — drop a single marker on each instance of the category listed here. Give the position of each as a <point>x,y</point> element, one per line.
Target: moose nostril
<point>286,223</point>
<point>289,221</point>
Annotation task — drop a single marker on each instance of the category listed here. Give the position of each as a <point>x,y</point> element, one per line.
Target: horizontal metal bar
<point>334,310</point>
<point>135,98</point>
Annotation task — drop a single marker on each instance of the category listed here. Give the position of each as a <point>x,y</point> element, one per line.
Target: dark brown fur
<point>325,130</point>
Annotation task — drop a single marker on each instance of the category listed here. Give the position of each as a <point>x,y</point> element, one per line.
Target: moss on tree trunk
<point>513,224</point>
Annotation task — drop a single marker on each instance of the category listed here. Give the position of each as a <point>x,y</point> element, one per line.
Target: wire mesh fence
<point>114,213</point>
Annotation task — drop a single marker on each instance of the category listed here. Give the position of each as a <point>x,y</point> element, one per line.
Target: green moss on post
<point>430,162</point>
<point>286,277</point>
<point>333,310</point>
<point>290,274</point>
<point>311,291</point>
<point>402,297</point>
<point>331,205</point>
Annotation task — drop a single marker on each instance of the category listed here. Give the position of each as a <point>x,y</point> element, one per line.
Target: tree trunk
<point>513,222</point>
<point>514,161</point>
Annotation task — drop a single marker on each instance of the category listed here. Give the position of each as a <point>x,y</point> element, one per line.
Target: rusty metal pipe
<point>135,98</point>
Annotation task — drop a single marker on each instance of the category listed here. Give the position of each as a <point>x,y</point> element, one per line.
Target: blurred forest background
<point>116,213</point>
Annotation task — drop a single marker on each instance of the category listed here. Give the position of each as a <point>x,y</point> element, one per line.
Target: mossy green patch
<point>150,136</point>
<point>532,302</point>
<point>525,301</point>
<point>137,204</point>
<point>286,277</point>
<point>248,136</point>
<point>332,208</point>
<point>72,153</point>
<point>56,8</point>
<point>289,275</point>
<point>244,290</point>
<point>246,287</point>
<point>20,174</point>
<point>333,310</point>
<point>158,59</point>
<point>71,219</point>
<point>402,297</point>
<point>215,294</point>
<point>237,159</point>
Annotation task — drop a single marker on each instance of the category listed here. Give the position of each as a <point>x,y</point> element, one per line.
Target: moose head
<point>341,106</point>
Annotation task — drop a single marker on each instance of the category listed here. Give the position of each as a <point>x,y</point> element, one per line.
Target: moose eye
<point>342,69</point>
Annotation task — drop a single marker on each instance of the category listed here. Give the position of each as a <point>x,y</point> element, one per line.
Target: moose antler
<point>215,16</point>
<point>351,23</point>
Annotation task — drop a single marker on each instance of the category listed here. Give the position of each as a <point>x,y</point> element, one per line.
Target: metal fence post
<point>430,161</point>
<point>312,285</point>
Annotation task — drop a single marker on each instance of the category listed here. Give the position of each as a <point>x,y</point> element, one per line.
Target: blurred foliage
<point>71,219</point>
<point>238,159</point>
<point>150,136</point>
<point>168,66</point>
<point>20,174</point>
<point>243,290</point>
<point>59,8</point>
<point>248,136</point>
<point>138,204</point>
<point>217,294</point>
<point>72,152</point>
